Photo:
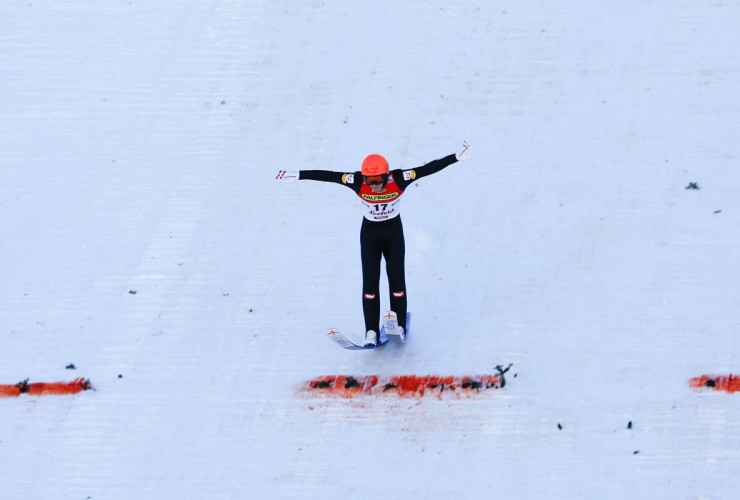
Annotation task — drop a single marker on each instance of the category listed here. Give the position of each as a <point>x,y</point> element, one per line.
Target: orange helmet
<point>374,165</point>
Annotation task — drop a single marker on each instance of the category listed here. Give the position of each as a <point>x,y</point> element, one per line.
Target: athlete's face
<point>376,182</point>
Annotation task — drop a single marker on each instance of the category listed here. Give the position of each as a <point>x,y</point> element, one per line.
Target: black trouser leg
<point>371,252</point>
<point>394,251</point>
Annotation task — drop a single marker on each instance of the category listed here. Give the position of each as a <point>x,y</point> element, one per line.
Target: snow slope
<point>145,240</point>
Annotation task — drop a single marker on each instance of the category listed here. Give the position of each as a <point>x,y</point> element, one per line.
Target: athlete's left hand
<point>465,153</point>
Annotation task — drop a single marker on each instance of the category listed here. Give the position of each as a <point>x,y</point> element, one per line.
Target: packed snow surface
<point>145,240</point>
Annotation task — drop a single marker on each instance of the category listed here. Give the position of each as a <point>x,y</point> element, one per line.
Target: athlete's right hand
<point>287,175</point>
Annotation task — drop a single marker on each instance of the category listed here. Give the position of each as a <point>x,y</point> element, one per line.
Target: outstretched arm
<point>435,166</point>
<point>409,176</point>
<point>321,175</point>
<point>350,180</point>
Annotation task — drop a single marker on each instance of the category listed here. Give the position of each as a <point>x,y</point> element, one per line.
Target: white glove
<point>465,153</point>
<point>287,175</point>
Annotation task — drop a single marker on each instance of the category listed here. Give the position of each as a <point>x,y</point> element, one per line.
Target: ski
<point>390,324</point>
<point>338,338</point>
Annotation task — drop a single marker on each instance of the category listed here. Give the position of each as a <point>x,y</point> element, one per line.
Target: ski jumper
<point>381,234</point>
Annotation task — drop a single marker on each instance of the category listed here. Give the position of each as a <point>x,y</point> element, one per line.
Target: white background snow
<point>138,147</point>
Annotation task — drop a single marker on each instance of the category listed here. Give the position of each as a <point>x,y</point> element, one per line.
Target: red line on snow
<point>727,383</point>
<point>45,389</point>
<point>405,386</point>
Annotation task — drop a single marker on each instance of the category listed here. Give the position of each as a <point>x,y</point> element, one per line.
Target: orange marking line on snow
<point>45,389</point>
<point>727,383</point>
<point>405,386</point>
